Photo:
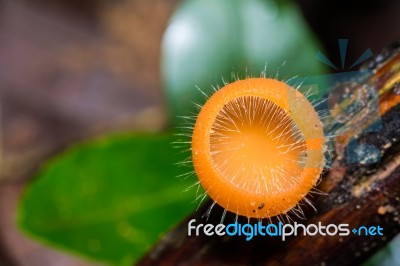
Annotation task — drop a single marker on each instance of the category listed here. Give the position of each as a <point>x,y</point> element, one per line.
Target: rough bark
<point>359,194</point>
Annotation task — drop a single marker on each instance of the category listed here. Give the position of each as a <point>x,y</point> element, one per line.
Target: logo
<point>349,100</point>
<point>249,231</point>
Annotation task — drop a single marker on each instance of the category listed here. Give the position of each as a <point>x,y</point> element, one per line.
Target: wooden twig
<point>356,194</point>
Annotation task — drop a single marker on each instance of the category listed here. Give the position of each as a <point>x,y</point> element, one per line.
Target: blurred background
<point>75,70</point>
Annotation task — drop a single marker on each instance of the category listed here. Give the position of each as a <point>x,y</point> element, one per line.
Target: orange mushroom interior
<point>256,146</point>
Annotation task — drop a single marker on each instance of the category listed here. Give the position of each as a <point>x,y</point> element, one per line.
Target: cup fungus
<point>258,147</point>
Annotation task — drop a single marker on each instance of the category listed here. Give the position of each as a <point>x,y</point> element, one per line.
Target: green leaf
<point>388,255</point>
<point>209,39</point>
<point>109,199</point>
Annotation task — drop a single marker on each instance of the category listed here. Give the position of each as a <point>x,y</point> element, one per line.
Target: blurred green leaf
<point>210,39</point>
<point>386,256</point>
<point>109,199</point>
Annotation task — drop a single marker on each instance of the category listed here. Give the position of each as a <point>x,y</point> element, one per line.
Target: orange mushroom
<point>258,147</point>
